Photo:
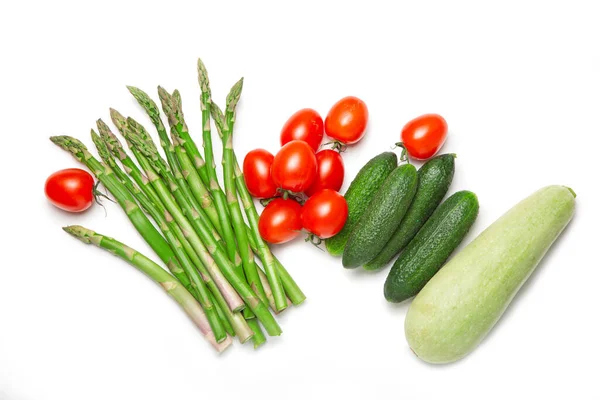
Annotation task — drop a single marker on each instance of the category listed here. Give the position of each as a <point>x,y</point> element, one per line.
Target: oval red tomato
<point>280,221</point>
<point>325,213</point>
<point>346,122</point>
<point>294,167</point>
<point>424,136</point>
<point>305,125</point>
<point>70,189</point>
<point>330,172</point>
<point>257,174</point>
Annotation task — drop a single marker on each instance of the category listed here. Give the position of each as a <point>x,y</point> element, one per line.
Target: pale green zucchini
<point>459,306</point>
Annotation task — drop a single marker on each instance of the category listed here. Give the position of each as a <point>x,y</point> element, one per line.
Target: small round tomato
<point>305,125</point>
<point>257,174</point>
<point>424,136</point>
<point>294,167</point>
<point>70,189</point>
<point>347,120</point>
<point>280,221</point>
<point>325,213</point>
<point>330,172</point>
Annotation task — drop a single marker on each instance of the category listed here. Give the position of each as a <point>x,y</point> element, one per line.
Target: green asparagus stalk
<point>142,133</point>
<point>265,254</point>
<point>115,147</point>
<point>213,185</point>
<point>224,318</point>
<point>197,286</point>
<point>186,165</point>
<point>291,288</point>
<point>259,337</point>
<point>123,197</point>
<point>233,299</point>
<point>233,322</point>
<point>194,226</point>
<point>269,292</point>
<point>171,285</point>
<point>250,268</point>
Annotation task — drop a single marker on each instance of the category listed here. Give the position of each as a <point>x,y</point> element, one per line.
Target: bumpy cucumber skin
<point>464,300</point>
<point>435,177</point>
<point>427,252</point>
<point>382,217</point>
<point>360,193</point>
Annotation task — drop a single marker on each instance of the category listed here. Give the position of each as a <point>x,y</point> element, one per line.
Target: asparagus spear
<point>264,252</point>
<point>115,147</point>
<point>233,299</point>
<point>123,197</point>
<point>194,226</point>
<point>199,191</point>
<point>235,320</point>
<point>291,288</point>
<point>219,283</point>
<point>197,286</point>
<point>171,285</point>
<point>239,226</point>
<point>213,185</point>
<point>141,132</point>
<point>259,337</point>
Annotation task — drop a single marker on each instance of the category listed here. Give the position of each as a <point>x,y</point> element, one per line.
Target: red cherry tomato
<point>325,213</point>
<point>330,172</point>
<point>294,167</point>
<point>305,125</point>
<point>424,136</point>
<point>347,120</point>
<point>280,221</point>
<point>257,174</point>
<point>70,189</point>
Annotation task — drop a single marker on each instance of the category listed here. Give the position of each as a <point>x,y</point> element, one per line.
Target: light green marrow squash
<point>464,300</point>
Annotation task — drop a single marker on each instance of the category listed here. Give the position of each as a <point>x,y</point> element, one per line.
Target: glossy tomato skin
<point>280,221</point>
<point>330,172</point>
<point>424,136</point>
<point>325,213</point>
<point>305,125</point>
<point>257,174</point>
<point>70,189</point>
<point>347,120</point>
<point>294,167</point>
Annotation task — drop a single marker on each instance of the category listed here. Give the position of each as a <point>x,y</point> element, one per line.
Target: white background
<point>519,84</point>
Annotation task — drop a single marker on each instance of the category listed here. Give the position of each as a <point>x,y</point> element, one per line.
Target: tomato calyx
<point>404,154</point>
<point>314,240</point>
<point>98,195</point>
<point>336,145</point>
<point>286,195</point>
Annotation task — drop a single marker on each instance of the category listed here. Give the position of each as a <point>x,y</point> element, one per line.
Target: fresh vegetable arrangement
<point>203,238</point>
<point>207,231</point>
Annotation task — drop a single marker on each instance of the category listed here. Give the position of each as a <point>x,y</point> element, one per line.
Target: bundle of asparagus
<point>202,238</point>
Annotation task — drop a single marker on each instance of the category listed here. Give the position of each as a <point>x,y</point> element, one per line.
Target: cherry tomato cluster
<point>301,171</point>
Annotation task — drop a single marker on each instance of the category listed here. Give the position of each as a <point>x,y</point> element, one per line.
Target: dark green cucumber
<point>360,193</point>
<point>382,217</point>
<point>432,246</point>
<point>435,177</point>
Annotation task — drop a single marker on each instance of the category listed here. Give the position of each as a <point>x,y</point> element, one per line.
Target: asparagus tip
<point>79,232</point>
